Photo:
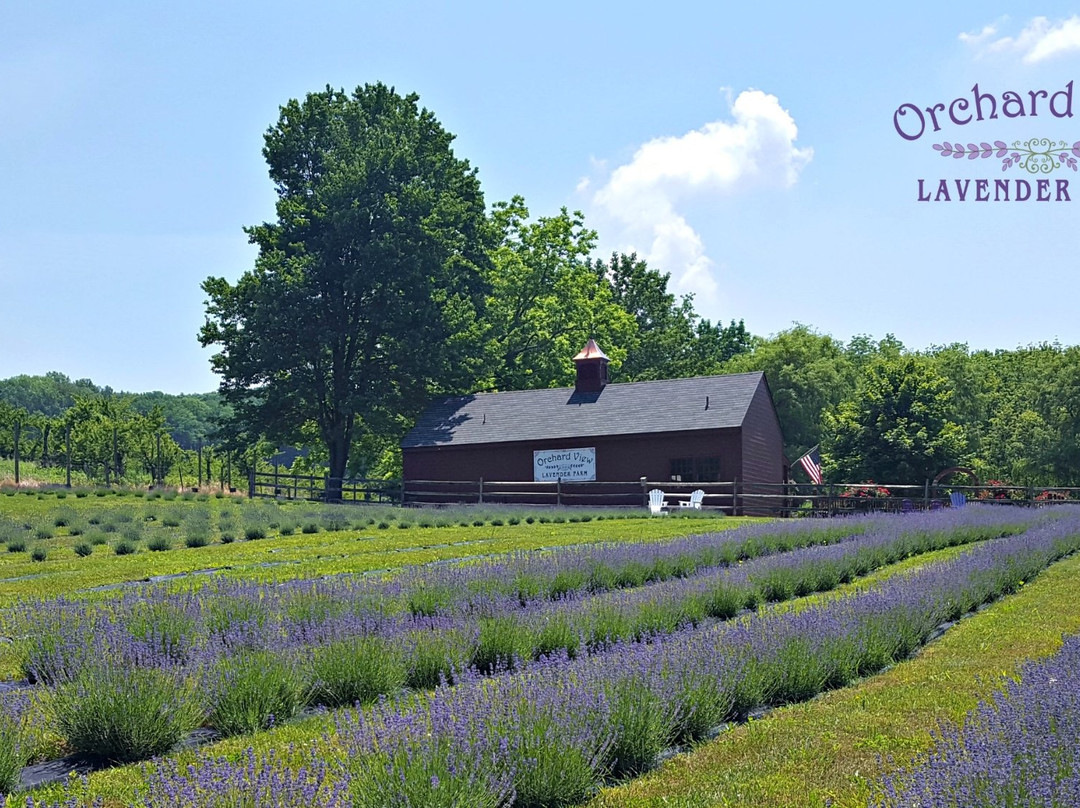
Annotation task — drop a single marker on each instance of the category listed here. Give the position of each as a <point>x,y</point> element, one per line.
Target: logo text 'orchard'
<point>1034,156</point>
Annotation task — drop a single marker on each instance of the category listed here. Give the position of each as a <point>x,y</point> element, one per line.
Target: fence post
<point>402,491</point>
<point>251,480</point>
<point>480,492</point>
<point>926,494</point>
<point>67,452</point>
<point>558,492</point>
<point>734,496</point>
<point>644,492</point>
<point>18,427</point>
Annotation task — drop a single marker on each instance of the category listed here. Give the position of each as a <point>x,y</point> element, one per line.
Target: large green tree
<point>546,300</point>
<point>670,341</point>
<point>897,427</point>
<point>364,296</point>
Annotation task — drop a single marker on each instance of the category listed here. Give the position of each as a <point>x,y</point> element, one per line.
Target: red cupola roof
<point>591,351</point>
<point>592,373</point>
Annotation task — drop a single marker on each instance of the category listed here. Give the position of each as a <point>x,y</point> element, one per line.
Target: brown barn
<point>702,429</point>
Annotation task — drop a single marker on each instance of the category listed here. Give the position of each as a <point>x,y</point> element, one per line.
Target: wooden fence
<point>735,498</point>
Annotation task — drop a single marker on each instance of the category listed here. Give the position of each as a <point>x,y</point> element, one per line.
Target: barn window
<point>708,469</point>
<point>682,469</point>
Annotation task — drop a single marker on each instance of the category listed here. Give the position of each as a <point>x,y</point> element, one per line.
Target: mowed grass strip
<point>832,750</point>
<point>324,553</point>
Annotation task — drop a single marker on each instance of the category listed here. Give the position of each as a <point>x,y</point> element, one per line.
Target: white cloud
<point>640,200</point>
<point>1038,41</point>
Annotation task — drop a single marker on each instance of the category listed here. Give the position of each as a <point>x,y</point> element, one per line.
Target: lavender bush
<point>1017,749</point>
<point>13,754</point>
<point>121,715</point>
<point>250,783</point>
<point>253,692</point>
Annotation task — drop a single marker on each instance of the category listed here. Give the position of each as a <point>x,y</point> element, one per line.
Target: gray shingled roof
<point>672,405</point>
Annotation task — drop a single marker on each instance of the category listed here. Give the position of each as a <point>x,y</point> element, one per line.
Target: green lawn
<point>301,555</point>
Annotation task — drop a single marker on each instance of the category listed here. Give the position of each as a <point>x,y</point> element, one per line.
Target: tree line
<point>108,436</point>
<point>386,280</point>
<point>881,412</point>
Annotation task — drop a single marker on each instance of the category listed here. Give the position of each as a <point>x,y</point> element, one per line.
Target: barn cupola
<point>591,365</point>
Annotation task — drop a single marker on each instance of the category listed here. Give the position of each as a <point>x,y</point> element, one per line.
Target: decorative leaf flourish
<point>1036,156</point>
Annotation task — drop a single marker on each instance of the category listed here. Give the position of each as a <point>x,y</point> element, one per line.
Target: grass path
<point>830,751</point>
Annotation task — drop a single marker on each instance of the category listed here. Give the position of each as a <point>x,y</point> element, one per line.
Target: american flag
<point>811,461</point>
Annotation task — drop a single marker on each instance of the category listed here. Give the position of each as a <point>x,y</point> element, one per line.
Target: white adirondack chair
<point>656,503</point>
<point>694,502</point>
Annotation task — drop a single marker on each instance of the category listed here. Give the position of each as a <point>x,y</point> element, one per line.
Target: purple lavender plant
<point>13,753</point>
<point>1016,749</point>
<point>253,782</point>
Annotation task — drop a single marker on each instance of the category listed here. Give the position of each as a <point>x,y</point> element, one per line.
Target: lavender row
<point>1019,748</point>
<point>524,576</point>
<point>230,617</point>
<point>189,633</point>
<point>551,735</point>
<point>124,697</point>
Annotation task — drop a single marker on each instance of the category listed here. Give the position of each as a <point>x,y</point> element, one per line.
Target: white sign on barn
<point>550,465</point>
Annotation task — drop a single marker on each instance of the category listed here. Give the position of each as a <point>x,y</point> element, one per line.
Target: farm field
<point>306,540</point>
<point>559,677</point>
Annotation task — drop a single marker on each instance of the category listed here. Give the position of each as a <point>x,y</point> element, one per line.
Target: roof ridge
<point>611,384</point>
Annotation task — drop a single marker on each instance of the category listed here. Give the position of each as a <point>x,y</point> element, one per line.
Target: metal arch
<point>956,470</point>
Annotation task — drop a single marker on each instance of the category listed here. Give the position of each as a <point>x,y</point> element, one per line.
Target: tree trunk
<point>338,446</point>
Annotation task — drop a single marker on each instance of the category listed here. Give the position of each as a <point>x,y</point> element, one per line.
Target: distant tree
<point>9,415</point>
<point>670,340</point>
<point>897,427</point>
<point>663,341</point>
<point>714,345</point>
<point>48,395</point>
<point>365,293</point>
<point>545,300</point>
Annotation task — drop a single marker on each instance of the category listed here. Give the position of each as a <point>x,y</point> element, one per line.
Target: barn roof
<point>672,405</point>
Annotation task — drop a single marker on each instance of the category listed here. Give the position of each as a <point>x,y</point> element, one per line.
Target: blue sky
<point>747,149</point>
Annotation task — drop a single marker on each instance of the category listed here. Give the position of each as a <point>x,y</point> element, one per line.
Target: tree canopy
<point>365,294</point>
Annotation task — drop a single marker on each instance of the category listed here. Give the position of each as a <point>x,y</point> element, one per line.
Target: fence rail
<point>735,497</point>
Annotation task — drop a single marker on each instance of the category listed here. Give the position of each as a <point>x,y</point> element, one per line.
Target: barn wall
<point>763,442</point>
<point>618,458</point>
<point>763,451</point>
